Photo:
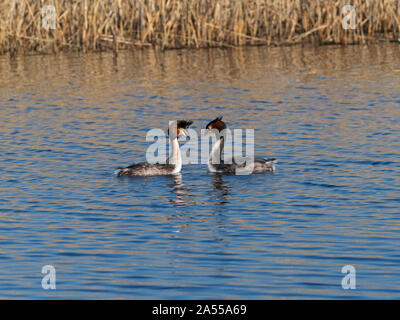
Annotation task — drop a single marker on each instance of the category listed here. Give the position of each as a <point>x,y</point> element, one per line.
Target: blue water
<point>330,115</point>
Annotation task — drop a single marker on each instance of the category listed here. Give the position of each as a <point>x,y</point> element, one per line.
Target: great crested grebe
<point>173,165</point>
<point>217,164</point>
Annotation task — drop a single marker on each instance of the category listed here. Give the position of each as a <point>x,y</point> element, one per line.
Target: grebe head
<point>216,124</point>
<point>180,126</point>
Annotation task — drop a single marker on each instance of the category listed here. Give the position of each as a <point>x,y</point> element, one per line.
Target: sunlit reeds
<point>115,24</point>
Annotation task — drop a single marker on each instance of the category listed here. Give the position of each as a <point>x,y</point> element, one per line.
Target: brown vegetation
<point>115,24</point>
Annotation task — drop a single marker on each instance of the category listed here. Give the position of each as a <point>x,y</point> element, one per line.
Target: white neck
<point>216,152</point>
<point>176,158</point>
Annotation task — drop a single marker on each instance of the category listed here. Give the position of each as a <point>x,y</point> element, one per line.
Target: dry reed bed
<point>114,24</point>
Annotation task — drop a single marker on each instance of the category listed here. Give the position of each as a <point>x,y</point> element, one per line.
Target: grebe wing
<point>263,160</point>
<point>145,168</point>
<point>256,159</point>
<point>229,166</point>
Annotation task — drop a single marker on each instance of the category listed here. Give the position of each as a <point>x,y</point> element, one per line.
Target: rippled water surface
<point>330,115</point>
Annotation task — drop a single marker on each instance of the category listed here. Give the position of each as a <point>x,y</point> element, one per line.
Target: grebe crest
<point>216,124</point>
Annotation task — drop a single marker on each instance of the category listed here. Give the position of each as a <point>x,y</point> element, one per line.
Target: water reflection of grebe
<point>173,165</point>
<point>222,189</point>
<point>217,164</point>
<point>182,193</point>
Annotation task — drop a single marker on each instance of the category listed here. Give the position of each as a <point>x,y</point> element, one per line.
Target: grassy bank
<point>117,24</point>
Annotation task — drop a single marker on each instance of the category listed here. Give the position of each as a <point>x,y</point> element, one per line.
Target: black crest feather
<point>217,123</point>
<point>184,124</point>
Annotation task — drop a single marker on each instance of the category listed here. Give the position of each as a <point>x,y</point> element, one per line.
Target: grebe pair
<point>174,164</point>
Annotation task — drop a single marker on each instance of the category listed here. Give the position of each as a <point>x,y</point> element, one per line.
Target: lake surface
<point>331,116</point>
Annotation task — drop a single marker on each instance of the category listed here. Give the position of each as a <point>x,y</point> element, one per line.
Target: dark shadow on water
<point>221,188</point>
